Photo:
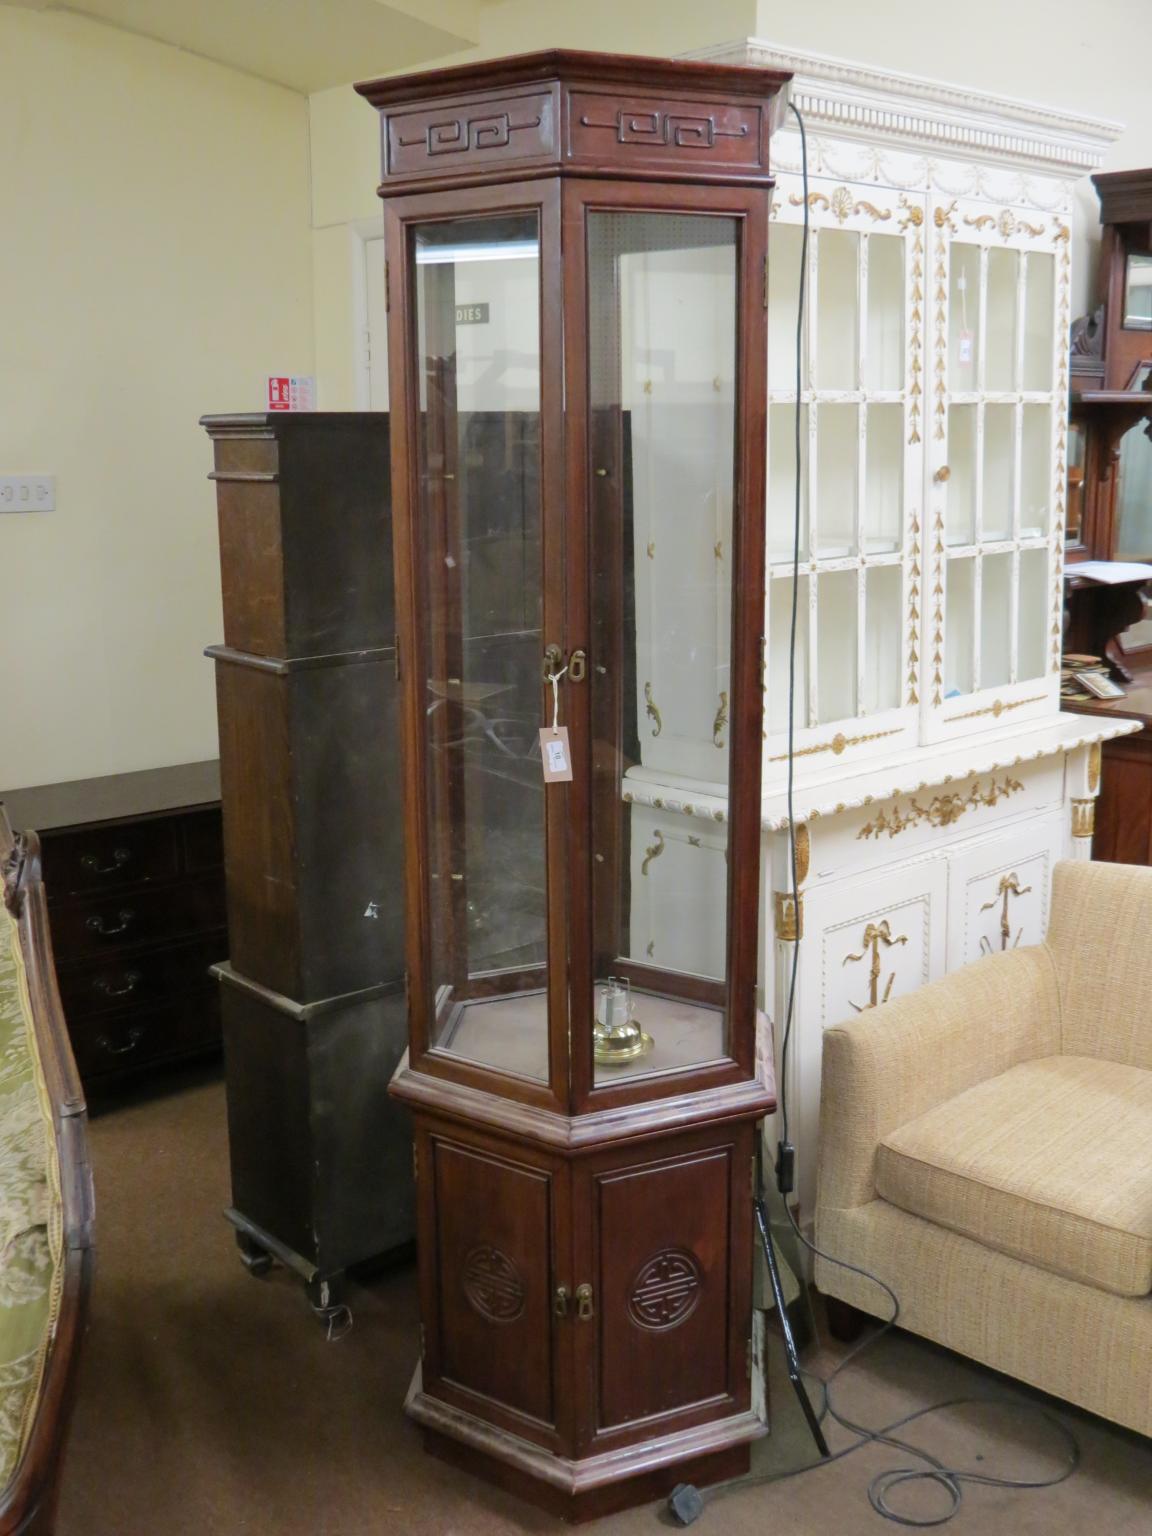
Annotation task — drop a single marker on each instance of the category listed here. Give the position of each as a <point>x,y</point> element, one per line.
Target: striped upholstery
<point>986,1148</point>
<point>1050,1162</point>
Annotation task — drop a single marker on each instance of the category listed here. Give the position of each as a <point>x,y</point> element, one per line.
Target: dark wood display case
<point>576,271</point>
<point>313,991</point>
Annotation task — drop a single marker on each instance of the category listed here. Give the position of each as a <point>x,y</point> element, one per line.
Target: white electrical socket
<point>27,493</point>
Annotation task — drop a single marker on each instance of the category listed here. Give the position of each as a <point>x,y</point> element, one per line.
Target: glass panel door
<point>662,311</point>
<point>861,404</point>
<point>998,409</point>
<point>477,319</point>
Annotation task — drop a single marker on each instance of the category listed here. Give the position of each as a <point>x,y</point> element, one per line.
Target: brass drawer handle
<point>560,1301</point>
<point>120,857</point>
<point>95,924</point>
<point>132,980</point>
<point>132,1040</point>
<point>584,1308</point>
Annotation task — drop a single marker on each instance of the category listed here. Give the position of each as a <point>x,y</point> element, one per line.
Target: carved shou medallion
<point>493,1285</point>
<point>666,1290</point>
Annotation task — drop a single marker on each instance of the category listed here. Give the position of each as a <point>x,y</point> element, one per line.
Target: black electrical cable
<point>951,1480</point>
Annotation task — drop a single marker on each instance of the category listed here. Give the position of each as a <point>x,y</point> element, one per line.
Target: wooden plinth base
<point>595,1486</point>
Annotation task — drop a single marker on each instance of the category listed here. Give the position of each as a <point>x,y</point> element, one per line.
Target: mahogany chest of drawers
<point>133,869</point>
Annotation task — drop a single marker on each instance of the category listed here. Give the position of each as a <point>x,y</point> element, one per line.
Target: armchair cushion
<point>1049,1162</point>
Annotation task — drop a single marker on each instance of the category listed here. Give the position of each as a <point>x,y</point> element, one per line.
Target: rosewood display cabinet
<point>576,266</point>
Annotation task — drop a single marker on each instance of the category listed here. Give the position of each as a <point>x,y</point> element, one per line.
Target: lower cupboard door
<point>670,1238</point>
<point>490,1344</point>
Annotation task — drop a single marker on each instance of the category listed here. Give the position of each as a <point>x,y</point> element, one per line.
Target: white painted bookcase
<point>937,782</point>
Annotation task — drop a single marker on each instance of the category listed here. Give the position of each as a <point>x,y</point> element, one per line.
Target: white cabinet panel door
<point>861,947</point>
<point>998,891</point>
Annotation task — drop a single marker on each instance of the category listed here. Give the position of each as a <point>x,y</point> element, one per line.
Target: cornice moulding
<point>858,101</point>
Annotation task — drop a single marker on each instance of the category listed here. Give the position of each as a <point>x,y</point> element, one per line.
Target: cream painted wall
<point>154,264</point>
<point>1056,52</point>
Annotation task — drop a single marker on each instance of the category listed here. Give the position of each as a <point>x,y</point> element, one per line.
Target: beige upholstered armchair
<point>986,1148</point>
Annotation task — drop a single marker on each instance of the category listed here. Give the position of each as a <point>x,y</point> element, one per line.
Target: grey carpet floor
<point>211,1402</point>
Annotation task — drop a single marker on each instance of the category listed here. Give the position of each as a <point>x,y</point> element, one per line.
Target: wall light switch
<point>27,493</point>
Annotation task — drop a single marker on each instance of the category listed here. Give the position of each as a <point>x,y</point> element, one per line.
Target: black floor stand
<point>794,1375</point>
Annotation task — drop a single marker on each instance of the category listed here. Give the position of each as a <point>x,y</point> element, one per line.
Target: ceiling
<point>307,45</point>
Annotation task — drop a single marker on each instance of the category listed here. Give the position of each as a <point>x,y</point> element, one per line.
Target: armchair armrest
<point>900,1060</point>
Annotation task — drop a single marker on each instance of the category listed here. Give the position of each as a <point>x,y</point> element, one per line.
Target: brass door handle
<point>584,1308</point>
<point>560,1301</point>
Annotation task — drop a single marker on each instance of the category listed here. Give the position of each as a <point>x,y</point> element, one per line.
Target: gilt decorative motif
<point>651,710</point>
<point>493,1285</point>
<point>666,1290</point>
<point>842,205</point>
<point>1061,238</point>
<point>875,935</point>
<point>1009,886</point>
<point>913,695</point>
<point>916,330</point>
<point>653,851</point>
<point>997,708</point>
<point>720,721</point>
<point>839,744</point>
<point>941,811</point>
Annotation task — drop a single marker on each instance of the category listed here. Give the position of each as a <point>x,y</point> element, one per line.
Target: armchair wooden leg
<point>845,1322</point>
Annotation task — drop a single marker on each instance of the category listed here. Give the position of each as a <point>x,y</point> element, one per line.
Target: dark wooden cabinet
<point>576,268</point>
<point>313,991</point>
<point>133,870</point>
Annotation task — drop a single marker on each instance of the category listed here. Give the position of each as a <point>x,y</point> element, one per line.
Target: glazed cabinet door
<point>861,404</point>
<point>493,1246</point>
<point>662,1338</point>
<point>996,465</point>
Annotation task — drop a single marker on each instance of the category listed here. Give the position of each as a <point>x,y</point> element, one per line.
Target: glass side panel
<point>782,481</point>
<point>1036,458</point>
<point>884,357</point>
<point>884,479</point>
<point>1138,292</point>
<point>1039,320</point>
<point>882,633</point>
<point>963,316</point>
<point>1134,495</point>
<point>1031,625</point>
<point>1000,331</point>
<point>996,620</point>
<point>837,479</point>
<point>959,626</point>
<point>783,298</point>
<point>999,478</point>
<point>836,625</point>
<point>662,378</point>
<point>837,310</point>
<point>779,637</point>
<point>481,605</point>
<point>960,518</point>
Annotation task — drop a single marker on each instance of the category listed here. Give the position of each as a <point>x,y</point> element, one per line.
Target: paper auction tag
<point>554,754</point>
